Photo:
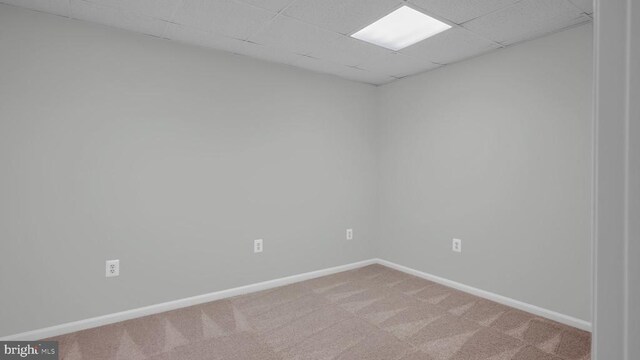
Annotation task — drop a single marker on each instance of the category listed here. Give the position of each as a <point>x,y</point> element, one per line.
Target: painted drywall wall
<point>495,151</point>
<point>172,159</point>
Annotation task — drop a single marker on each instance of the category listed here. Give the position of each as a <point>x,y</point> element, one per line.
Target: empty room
<point>319,179</point>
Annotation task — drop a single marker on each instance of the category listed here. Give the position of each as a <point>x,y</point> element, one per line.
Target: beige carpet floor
<point>372,313</point>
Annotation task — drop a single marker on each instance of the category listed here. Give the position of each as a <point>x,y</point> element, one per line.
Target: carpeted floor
<point>372,313</point>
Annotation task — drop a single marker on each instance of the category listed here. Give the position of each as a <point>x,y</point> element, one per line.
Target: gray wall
<point>495,151</point>
<point>172,159</point>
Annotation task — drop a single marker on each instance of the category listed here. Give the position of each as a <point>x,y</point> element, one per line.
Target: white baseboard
<point>265,285</point>
<point>536,310</point>
<point>177,304</point>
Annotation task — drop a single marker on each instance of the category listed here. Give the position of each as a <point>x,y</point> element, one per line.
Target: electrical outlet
<point>257,246</point>
<point>349,234</point>
<point>457,245</point>
<point>112,268</point>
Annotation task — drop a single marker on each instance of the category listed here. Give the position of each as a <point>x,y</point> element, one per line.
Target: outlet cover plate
<point>456,245</point>
<point>112,268</point>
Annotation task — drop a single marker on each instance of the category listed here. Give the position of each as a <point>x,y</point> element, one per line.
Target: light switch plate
<point>257,246</point>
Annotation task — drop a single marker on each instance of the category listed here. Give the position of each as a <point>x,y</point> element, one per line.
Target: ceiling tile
<point>450,46</point>
<point>584,5</point>
<point>272,5</point>
<point>327,67</point>
<point>366,76</point>
<point>289,34</point>
<point>188,35</point>
<point>342,16</point>
<point>206,39</point>
<point>268,53</point>
<point>397,65</point>
<point>159,9</point>
<point>115,17</point>
<point>225,17</point>
<point>346,72</point>
<point>459,11</point>
<point>311,63</point>
<point>345,50</point>
<point>301,38</point>
<point>57,7</point>
<point>527,19</point>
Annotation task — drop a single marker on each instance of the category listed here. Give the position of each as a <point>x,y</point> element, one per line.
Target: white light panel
<point>401,28</point>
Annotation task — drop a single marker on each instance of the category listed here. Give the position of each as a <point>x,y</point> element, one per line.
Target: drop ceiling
<point>315,34</point>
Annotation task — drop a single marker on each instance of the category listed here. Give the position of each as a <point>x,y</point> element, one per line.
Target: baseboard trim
<point>265,285</point>
<point>536,310</point>
<point>177,304</point>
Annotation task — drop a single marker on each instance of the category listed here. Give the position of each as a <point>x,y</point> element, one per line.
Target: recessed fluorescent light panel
<point>401,28</point>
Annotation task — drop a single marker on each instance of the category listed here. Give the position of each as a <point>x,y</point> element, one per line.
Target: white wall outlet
<point>457,245</point>
<point>349,234</point>
<point>257,246</point>
<point>112,268</point>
